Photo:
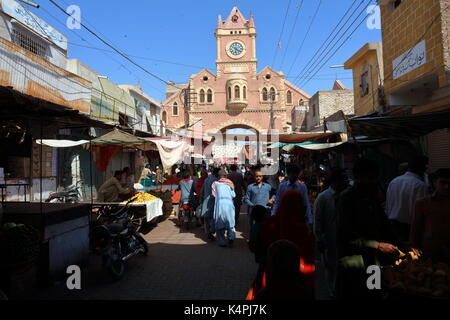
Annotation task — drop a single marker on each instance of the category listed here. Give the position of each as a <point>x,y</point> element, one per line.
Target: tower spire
<point>251,21</point>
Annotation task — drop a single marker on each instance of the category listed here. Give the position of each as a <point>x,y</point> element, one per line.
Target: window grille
<point>28,43</point>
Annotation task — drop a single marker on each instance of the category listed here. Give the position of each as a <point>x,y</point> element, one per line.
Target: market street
<point>179,265</point>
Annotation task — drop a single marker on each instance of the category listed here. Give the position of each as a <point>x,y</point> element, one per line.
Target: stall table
<point>150,210</point>
<point>64,232</point>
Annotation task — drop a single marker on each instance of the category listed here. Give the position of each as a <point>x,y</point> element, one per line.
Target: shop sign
<point>410,60</point>
<point>26,17</point>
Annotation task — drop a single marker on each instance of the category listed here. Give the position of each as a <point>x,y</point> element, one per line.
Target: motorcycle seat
<point>115,228</point>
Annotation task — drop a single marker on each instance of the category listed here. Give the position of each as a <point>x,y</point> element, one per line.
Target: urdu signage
<point>26,17</point>
<point>410,60</point>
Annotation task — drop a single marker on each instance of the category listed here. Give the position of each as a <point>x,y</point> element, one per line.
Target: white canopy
<point>170,151</point>
<point>61,143</point>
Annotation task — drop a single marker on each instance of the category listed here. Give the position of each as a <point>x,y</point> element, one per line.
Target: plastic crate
<point>146,182</point>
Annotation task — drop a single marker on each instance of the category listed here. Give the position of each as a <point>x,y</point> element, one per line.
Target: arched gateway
<point>237,95</point>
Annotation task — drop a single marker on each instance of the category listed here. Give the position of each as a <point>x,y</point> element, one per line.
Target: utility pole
<point>272,115</point>
<point>188,97</point>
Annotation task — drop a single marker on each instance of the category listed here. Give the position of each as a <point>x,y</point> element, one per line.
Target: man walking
<point>223,192</point>
<point>239,189</point>
<point>258,194</point>
<point>249,176</point>
<point>325,226</point>
<point>207,203</point>
<point>402,194</point>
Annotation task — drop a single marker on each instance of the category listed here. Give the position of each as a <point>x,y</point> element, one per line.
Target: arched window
<point>244,93</point>
<point>237,92</point>
<point>175,109</point>
<point>229,93</point>
<point>202,96</point>
<point>289,97</point>
<point>209,96</point>
<point>272,94</point>
<point>300,102</point>
<point>265,94</point>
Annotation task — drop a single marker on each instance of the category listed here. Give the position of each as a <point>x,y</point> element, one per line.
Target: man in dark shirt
<point>249,176</point>
<point>364,235</point>
<point>239,189</point>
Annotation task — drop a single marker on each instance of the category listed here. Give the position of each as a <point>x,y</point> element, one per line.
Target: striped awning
<point>400,127</point>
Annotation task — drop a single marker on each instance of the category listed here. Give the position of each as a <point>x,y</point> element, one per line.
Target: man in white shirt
<point>402,194</point>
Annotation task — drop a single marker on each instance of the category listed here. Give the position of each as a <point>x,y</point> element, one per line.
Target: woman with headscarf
<point>224,213</point>
<point>289,224</point>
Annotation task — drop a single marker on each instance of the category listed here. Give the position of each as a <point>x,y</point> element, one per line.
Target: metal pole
<point>90,168</point>
<point>272,117</point>
<point>40,169</point>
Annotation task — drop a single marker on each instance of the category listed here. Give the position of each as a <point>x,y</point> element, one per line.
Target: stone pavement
<point>179,265</point>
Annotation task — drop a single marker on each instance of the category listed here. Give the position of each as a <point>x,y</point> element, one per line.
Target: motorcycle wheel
<point>143,244</point>
<point>116,268</point>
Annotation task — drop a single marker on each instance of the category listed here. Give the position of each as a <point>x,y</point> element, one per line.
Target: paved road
<point>179,265</point>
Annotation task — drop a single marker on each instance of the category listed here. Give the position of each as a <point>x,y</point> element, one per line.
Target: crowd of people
<point>351,225</point>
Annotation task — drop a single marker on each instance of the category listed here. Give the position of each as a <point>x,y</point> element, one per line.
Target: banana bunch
<point>143,197</point>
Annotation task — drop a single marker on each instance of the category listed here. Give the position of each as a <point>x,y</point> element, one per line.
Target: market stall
<point>64,233</point>
<point>153,205</point>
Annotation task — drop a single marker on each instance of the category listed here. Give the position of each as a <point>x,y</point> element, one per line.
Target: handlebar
<point>122,211</point>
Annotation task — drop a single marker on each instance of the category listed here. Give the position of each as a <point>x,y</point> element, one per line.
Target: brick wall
<point>446,35</point>
<point>328,103</point>
<point>403,28</point>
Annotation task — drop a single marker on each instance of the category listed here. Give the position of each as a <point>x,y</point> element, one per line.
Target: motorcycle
<point>117,240</point>
<point>70,195</point>
<point>186,214</point>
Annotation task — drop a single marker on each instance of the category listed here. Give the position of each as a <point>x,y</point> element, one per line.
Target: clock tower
<point>236,45</point>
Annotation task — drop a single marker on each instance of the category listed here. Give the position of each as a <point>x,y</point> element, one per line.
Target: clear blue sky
<point>183,32</point>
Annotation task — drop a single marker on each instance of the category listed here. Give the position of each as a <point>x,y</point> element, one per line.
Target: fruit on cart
<point>425,278</point>
<point>166,197</point>
<point>142,197</point>
<point>413,255</point>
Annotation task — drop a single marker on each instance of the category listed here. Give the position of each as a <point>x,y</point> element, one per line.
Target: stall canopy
<point>311,141</point>
<point>61,143</point>
<point>400,127</point>
<point>308,137</point>
<point>123,139</point>
<point>170,151</point>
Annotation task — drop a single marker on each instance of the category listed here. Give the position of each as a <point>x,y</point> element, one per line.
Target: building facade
<point>326,103</point>
<point>416,55</point>
<point>368,75</point>
<point>237,95</point>
<point>148,110</point>
<point>34,56</point>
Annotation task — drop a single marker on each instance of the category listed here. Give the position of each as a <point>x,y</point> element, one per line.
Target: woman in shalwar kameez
<point>224,213</point>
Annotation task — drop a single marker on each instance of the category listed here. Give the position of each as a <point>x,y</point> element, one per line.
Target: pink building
<point>237,96</point>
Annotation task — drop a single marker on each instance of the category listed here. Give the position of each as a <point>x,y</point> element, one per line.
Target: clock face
<point>236,48</point>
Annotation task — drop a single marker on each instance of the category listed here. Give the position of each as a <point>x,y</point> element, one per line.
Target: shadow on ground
<point>180,265</point>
